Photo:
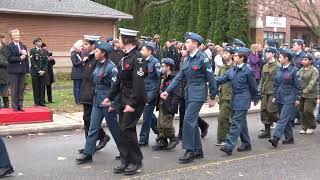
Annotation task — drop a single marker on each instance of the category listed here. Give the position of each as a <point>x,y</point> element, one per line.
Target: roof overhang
<point>84,15</point>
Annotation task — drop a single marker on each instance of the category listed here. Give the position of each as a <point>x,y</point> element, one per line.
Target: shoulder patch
<point>140,72</point>
<point>140,60</point>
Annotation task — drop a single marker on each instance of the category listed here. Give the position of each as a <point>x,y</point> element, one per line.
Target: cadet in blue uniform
<point>152,85</point>
<point>197,71</point>
<point>238,43</point>
<point>244,90</point>
<point>287,93</point>
<point>5,165</point>
<point>133,97</point>
<point>297,61</point>
<point>104,77</point>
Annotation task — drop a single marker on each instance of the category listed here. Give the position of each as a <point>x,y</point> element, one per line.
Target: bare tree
<point>305,11</point>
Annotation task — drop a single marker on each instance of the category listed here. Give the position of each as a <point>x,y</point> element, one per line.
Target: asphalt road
<point>52,157</point>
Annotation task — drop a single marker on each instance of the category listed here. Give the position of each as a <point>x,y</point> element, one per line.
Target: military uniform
<point>130,86</point>
<point>287,91</point>
<point>152,84</point>
<point>3,77</point>
<point>309,77</point>
<point>225,95</point>
<point>244,89</point>
<point>39,62</point>
<point>197,71</point>
<point>268,108</point>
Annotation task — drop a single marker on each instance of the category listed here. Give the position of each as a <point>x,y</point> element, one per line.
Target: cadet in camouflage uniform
<point>225,98</point>
<point>268,108</point>
<point>309,76</point>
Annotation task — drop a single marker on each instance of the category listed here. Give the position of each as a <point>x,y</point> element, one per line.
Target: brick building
<point>58,22</point>
<point>268,23</point>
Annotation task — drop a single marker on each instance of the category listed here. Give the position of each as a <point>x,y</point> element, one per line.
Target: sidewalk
<point>73,121</point>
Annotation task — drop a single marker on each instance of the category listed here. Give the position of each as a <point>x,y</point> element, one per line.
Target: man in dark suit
<point>5,164</point>
<point>39,68</point>
<point>18,67</point>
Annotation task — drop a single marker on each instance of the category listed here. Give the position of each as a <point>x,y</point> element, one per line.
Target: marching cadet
<point>287,94</point>
<point>39,67</point>
<point>133,97</point>
<point>5,164</point>
<point>269,109</point>
<point>225,91</point>
<point>87,90</point>
<point>167,109</point>
<point>197,71</point>
<point>152,85</point>
<point>244,90</point>
<point>297,61</point>
<point>309,76</point>
<point>105,74</point>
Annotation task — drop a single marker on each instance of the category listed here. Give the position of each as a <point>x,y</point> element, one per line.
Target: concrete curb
<point>72,127</point>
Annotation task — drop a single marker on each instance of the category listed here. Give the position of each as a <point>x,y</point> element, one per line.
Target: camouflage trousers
<point>269,110</point>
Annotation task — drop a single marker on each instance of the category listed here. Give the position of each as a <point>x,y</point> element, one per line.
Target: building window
<point>278,36</point>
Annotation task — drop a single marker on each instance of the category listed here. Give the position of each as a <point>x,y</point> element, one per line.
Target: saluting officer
<point>225,98</point>
<point>244,90</point>
<point>152,85</point>
<point>39,67</point>
<point>105,76</point>
<point>269,109</point>
<point>287,94</point>
<point>133,97</point>
<point>197,71</point>
<point>5,164</point>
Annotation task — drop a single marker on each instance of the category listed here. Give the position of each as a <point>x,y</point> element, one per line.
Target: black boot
<point>84,158</point>
<point>121,168</point>
<point>5,102</point>
<point>274,141</point>
<point>102,143</point>
<point>133,169</point>
<point>266,133</point>
<point>162,144</point>
<point>187,157</point>
<point>6,171</point>
<point>173,143</point>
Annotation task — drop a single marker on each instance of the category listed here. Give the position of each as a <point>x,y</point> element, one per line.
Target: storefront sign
<point>276,22</point>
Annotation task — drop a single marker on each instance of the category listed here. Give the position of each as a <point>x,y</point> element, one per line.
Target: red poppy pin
<point>127,66</point>
<point>101,75</point>
<point>90,65</point>
<point>195,68</point>
<point>167,83</point>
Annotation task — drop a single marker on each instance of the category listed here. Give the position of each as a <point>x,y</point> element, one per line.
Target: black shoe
<point>157,138</point>
<point>198,154</point>
<point>288,141</point>
<point>117,157</point>
<point>84,158</point>
<point>102,143</point>
<point>244,148</point>
<point>162,144</point>
<point>42,105</point>
<point>6,171</point>
<point>142,144</point>
<point>133,169</point>
<point>187,157</point>
<point>173,143</point>
<point>204,132</point>
<point>226,150</point>
<point>15,110</point>
<point>5,102</point>
<point>20,109</point>
<point>120,169</point>
<point>264,135</point>
<point>274,141</point>
<point>80,151</point>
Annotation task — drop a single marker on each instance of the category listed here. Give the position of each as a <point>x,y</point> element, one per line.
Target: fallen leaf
<point>241,175</point>
<point>9,137</point>
<point>20,174</point>
<point>86,167</point>
<point>156,157</point>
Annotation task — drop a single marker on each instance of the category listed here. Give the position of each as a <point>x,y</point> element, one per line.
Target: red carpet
<point>29,115</point>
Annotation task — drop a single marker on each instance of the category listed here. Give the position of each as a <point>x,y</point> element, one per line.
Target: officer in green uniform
<point>225,98</point>
<point>39,66</point>
<point>269,109</point>
<point>309,76</point>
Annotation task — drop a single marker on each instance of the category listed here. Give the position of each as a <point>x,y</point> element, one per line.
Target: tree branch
<point>156,3</point>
